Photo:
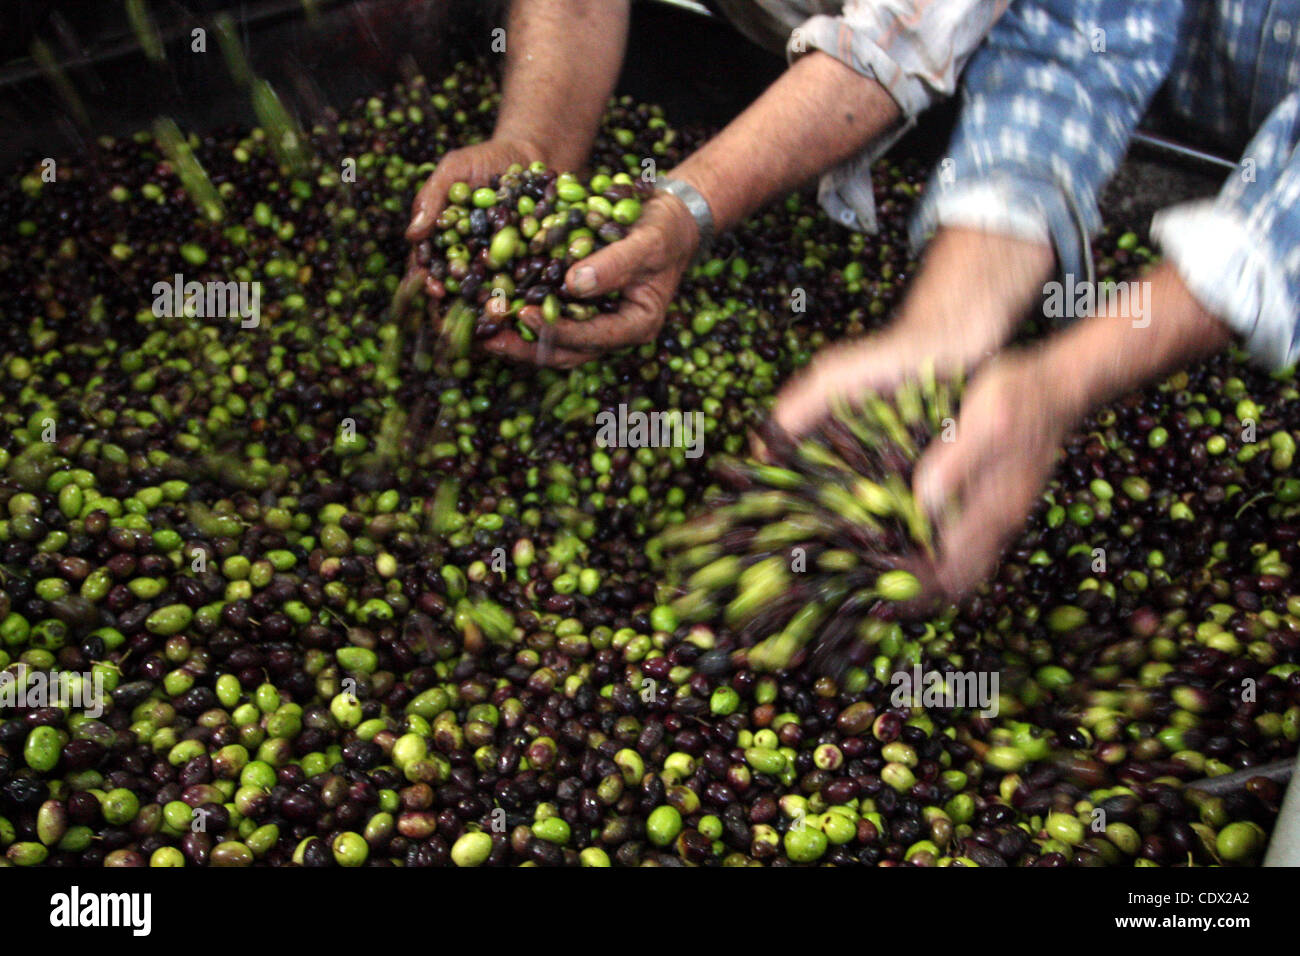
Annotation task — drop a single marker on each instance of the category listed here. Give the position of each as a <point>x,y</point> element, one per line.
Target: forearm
<point>972,289</point>
<point>1103,357</point>
<point>562,61</point>
<point>818,114</point>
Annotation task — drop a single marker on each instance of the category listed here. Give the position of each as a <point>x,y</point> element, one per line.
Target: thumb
<point>841,372</point>
<point>610,269</point>
<point>972,544</point>
<point>428,205</point>
<point>941,473</point>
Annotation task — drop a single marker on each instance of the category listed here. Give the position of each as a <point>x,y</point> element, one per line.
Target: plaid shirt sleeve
<point>916,50</point>
<point>1049,104</point>
<point>1238,253</point>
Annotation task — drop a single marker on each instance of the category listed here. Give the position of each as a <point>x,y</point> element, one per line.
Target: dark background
<point>320,53</point>
<point>697,68</point>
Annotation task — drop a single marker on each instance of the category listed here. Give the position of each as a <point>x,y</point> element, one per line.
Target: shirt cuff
<point>847,193</point>
<point>834,37</point>
<point>1234,273</point>
<point>990,207</point>
<point>1009,204</point>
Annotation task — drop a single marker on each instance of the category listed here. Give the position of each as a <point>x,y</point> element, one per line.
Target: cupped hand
<point>474,165</point>
<point>645,267</point>
<point>981,485</point>
<point>842,374</point>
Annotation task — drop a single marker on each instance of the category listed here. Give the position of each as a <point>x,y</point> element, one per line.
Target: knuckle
<point>1001,427</point>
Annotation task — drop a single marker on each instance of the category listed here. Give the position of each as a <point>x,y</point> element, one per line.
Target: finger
<point>406,289</point>
<point>412,267</point>
<point>613,267</point>
<point>417,275</point>
<point>940,474</point>
<point>509,346</point>
<point>435,288</point>
<point>836,374</point>
<point>415,272</point>
<point>428,206</point>
<point>431,200</point>
<point>630,325</point>
<point>940,507</point>
<point>972,544</point>
<point>948,466</point>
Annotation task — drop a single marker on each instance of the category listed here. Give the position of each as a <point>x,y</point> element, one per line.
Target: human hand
<point>841,374</point>
<point>956,316</point>
<point>982,485</point>
<point>474,165</point>
<point>645,267</point>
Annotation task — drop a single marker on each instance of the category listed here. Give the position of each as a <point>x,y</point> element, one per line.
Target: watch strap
<point>695,204</point>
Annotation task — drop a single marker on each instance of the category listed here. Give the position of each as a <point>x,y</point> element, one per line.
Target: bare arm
<point>817,115</point>
<point>1022,406</point>
<point>972,288</point>
<point>1104,357</point>
<point>562,61</point>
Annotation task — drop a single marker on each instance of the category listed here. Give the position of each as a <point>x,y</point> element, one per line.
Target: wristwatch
<point>696,205</point>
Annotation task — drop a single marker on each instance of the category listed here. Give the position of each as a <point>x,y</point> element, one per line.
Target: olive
<point>355,597</point>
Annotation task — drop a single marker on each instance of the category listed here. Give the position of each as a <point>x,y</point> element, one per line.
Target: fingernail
<point>949,583</point>
<point>419,222</point>
<point>584,281</point>
<point>929,493</point>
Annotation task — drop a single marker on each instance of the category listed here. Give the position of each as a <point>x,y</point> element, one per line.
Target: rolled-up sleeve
<point>1239,253</point>
<point>916,50</point>
<point>1049,104</point>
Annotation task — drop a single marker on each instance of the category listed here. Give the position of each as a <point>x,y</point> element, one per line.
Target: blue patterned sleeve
<point>1239,253</point>
<point>1049,104</point>
<point>916,50</point>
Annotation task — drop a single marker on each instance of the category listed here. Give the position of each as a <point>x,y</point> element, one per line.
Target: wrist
<point>1106,355</point>
<point>955,342</point>
<point>692,212</point>
<point>1068,391</point>
<point>684,229</point>
<point>711,173</point>
<point>972,289</point>
<point>525,145</point>
<point>551,147</point>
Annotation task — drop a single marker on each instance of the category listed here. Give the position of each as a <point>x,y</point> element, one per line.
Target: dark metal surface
<point>320,53</point>
<point>1279,772</point>
<point>698,68</point>
<point>343,50</point>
